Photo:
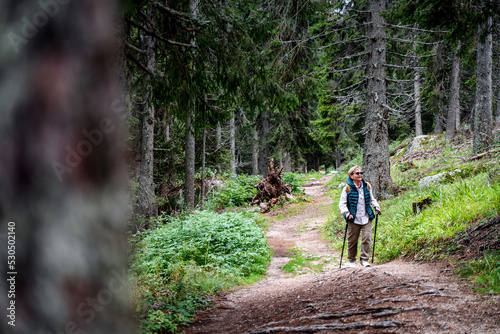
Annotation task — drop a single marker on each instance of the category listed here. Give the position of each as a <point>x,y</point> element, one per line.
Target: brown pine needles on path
<point>394,297</point>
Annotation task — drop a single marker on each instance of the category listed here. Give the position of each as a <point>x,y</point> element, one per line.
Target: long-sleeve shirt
<point>361,215</point>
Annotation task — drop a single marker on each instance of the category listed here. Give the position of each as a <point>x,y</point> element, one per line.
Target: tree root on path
<point>434,293</point>
<point>377,312</point>
<point>398,299</point>
<point>331,326</point>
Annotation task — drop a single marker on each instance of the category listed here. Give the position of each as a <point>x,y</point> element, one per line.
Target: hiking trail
<point>393,297</point>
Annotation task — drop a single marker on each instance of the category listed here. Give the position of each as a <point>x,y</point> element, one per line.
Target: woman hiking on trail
<point>359,214</point>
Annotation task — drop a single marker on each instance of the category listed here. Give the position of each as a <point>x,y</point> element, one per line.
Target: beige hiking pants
<point>353,232</point>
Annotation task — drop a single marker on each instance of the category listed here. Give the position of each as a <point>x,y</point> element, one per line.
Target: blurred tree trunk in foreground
<point>61,169</point>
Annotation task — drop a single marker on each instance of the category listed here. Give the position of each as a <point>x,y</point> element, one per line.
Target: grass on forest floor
<point>484,273</point>
<point>471,197</point>
<point>301,262</point>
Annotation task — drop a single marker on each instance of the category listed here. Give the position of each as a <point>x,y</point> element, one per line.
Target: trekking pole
<point>374,237</point>
<point>345,234</point>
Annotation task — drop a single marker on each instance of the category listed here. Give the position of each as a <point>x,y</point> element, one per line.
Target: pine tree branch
<point>400,94</point>
<point>413,28</point>
<point>343,42</point>
<point>347,57</point>
<point>395,111</point>
<point>406,67</point>
<point>350,87</point>
<point>144,68</point>
<point>344,70</point>
<point>409,41</point>
<point>170,11</point>
<point>155,35</point>
<point>130,46</point>
<point>398,80</point>
<point>410,55</point>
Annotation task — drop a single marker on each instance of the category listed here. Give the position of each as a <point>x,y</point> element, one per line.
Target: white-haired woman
<point>356,204</point>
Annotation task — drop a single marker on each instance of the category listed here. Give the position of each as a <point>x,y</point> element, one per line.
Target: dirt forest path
<point>394,297</point>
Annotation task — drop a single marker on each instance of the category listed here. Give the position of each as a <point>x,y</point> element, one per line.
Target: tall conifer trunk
<point>189,163</point>
<point>264,149</point>
<point>497,118</point>
<point>232,135</point>
<point>62,177</point>
<point>203,162</point>
<point>454,102</point>
<point>376,163</point>
<point>145,191</point>
<point>190,149</point>
<point>255,152</point>
<point>418,104</point>
<point>483,130</point>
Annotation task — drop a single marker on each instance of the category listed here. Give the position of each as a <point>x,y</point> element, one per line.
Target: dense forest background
<point>218,88</point>
<point>209,92</point>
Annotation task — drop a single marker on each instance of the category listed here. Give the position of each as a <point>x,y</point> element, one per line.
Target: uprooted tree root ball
<point>271,188</point>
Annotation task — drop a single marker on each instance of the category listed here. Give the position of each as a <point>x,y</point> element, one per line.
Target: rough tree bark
<point>438,117</point>
<point>418,104</point>
<point>167,120</point>
<point>287,161</point>
<point>189,164</point>
<point>498,96</point>
<point>376,148</point>
<point>483,131</point>
<point>439,64</point>
<point>338,160</point>
<point>454,102</point>
<point>146,190</point>
<point>264,148</point>
<point>62,172</point>
<point>255,152</point>
<point>190,152</point>
<point>218,136</point>
<point>203,162</point>
<point>232,136</point>
<point>218,141</point>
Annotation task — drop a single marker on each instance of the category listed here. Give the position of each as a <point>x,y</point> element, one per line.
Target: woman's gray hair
<point>351,171</point>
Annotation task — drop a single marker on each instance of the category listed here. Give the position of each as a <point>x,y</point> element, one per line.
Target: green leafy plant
<point>184,259</point>
<point>236,191</point>
<point>295,180</point>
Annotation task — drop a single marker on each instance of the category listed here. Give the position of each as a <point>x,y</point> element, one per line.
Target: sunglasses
<point>359,173</point>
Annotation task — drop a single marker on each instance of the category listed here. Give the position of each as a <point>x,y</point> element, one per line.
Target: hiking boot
<point>350,264</point>
<point>365,263</point>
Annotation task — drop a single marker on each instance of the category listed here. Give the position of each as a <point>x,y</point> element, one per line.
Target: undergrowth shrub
<point>295,180</point>
<point>175,266</point>
<point>236,191</point>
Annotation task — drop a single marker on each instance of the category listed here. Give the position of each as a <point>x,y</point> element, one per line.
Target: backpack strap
<point>369,186</point>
